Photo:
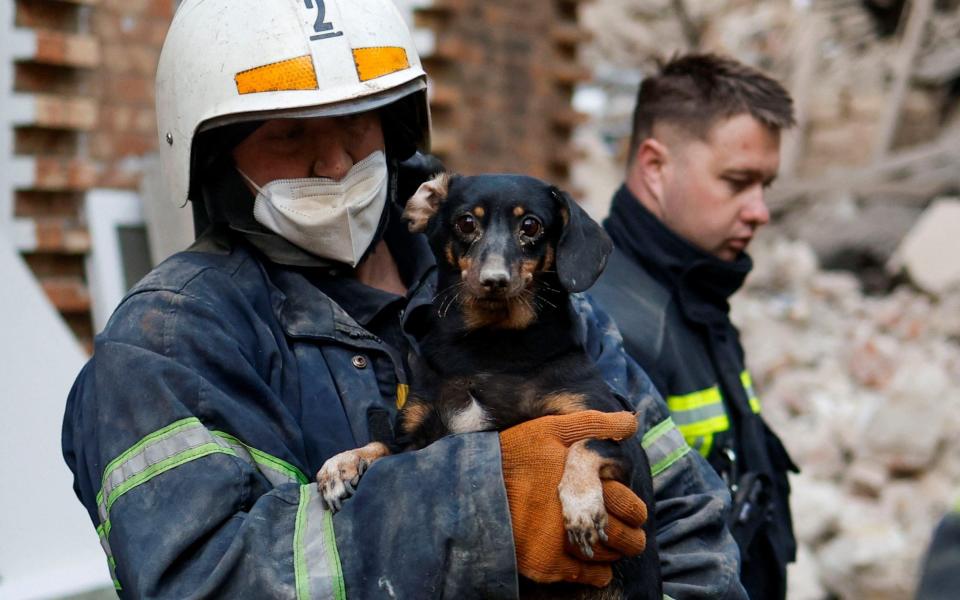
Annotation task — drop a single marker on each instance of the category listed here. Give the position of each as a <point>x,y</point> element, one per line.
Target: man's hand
<point>533,455</point>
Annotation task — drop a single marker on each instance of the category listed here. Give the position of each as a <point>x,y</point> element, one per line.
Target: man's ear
<point>583,248</point>
<point>647,169</point>
<point>425,202</point>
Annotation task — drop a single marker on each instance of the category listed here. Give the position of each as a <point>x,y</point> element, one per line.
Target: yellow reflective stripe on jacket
<point>695,400</point>
<point>747,382</point>
<point>705,427</point>
<point>699,415</point>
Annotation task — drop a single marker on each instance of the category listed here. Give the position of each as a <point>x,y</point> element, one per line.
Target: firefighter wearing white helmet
<point>312,59</point>
<point>236,368</point>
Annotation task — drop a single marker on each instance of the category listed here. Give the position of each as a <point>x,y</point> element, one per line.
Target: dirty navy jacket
<point>940,575</point>
<point>222,383</point>
<point>669,300</point>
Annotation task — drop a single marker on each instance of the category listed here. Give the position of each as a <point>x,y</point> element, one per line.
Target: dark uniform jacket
<point>670,301</point>
<point>940,576</point>
<point>224,380</point>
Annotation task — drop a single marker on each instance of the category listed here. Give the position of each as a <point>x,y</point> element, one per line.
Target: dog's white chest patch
<point>471,418</point>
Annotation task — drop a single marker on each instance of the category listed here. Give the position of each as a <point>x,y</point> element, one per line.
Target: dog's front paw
<point>584,515</point>
<point>337,479</point>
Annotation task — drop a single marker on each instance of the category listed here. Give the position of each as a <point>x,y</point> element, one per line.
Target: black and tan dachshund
<point>502,347</point>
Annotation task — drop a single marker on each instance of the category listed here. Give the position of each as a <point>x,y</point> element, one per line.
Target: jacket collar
<point>701,282</point>
<point>304,310</point>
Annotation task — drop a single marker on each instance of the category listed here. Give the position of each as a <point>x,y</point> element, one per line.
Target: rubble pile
<point>865,392</point>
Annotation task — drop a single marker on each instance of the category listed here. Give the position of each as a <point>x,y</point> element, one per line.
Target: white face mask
<point>331,219</point>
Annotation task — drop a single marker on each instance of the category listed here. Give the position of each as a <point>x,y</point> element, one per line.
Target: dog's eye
<point>466,224</point>
<point>530,227</point>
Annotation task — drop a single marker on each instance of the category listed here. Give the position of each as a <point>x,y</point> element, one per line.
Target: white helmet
<point>230,61</point>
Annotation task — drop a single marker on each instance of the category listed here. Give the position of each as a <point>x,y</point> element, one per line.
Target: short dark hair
<point>692,92</point>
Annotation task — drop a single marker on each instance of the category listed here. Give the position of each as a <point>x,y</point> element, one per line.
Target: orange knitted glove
<point>533,455</point>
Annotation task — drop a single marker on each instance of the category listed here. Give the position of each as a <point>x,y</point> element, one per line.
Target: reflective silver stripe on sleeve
<point>154,455</point>
<point>111,563</point>
<point>664,446</point>
<point>276,470</point>
<point>167,448</point>
<point>747,382</point>
<point>316,559</point>
<point>104,543</point>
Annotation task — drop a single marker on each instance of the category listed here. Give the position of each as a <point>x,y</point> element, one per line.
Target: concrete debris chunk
<point>805,573</point>
<point>930,253</point>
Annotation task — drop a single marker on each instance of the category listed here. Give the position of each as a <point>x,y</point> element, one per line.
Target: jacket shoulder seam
<point>182,288</point>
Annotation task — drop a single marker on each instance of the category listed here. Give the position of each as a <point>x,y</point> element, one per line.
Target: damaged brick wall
<point>131,33</point>
<point>89,81</point>
<point>502,78</point>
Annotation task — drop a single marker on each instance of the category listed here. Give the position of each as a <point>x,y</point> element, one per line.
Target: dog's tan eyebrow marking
<point>518,211</point>
<point>478,212</point>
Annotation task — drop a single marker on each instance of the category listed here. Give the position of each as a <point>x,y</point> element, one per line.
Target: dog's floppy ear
<point>583,248</point>
<point>424,203</point>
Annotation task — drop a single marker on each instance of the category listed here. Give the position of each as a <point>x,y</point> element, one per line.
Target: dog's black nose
<point>495,281</point>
